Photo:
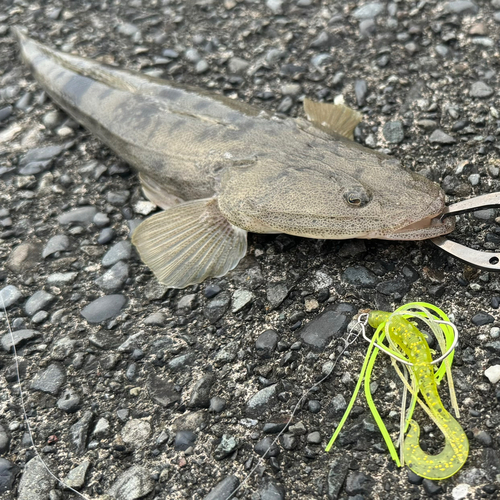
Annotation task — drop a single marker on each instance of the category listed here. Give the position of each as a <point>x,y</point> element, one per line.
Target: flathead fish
<point>220,168</point>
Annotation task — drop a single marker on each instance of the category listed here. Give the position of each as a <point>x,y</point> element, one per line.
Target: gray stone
<point>358,483</point>
<point>285,105</point>
<point>38,301</point>
<point>24,257</point>
<point>360,276</point>
<point>128,29</point>
<point>76,477</point>
<point>64,348</point>
<point>321,41</point>
<point>217,405</point>
<point>276,6</point>
<point>155,319</point>
<point>182,361</point>
<point>117,198</point>
<point>227,446</point>
<point>474,179</point>
<point>484,41</point>
<point>49,380</point>
<point>271,490</point>
<point>113,279</point>
<point>36,482</point>
<point>368,11</point>
<point>78,432</point>
<point>69,401</point>
<point>237,65</point>
<point>440,137</point>
<point>332,323</point>
<point>481,90</point>
<point>35,167</point>
<point>58,243</point>
<point>8,474</point>
<point>21,337</point>
<point>397,287</point>
<point>104,308</point>
<point>200,394</point>
<point>41,154</point>
<point>266,448</point>
<point>100,219</point>
<point>5,113</point>
<point>482,318</point>
<point>461,7</point>
<point>367,28</point>
<point>192,55</point>
<point>119,251</point>
<point>187,303</point>
<point>276,294</point>
<point>162,391</point>
<point>106,235</point>
<point>337,473</point>
<point>132,484</point>
<point>393,132</point>
<point>82,215</point>
<point>291,89</point>
<point>241,299</point>
<point>217,307</point>
<point>314,437</point>
<point>39,317</point>
<point>136,432</point>
<point>4,441</point>
<point>258,402</point>
<point>52,119</point>
<point>339,404</point>
<point>9,295</point>
<point>61,279</point>
<point>184,439</point>
<point>442,50</point>
<point>227,354</point>
<point>224,488</point>
<point>201,66</point>
<point>361,91</point>
<point>266,343</point>
<point>273,56</point>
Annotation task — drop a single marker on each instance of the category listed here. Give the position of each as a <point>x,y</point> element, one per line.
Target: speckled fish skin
<point>268,174</point>
<point>456,449</point>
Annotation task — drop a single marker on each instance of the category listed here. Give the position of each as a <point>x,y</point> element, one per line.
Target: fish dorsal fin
<point>190,242</point>
<point>332,118</point>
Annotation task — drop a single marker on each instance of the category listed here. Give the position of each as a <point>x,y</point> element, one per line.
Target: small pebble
<point>493,374</point>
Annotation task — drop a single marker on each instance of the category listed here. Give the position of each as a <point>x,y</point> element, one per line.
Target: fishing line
<point>353,334</point>
<point>23,405</point>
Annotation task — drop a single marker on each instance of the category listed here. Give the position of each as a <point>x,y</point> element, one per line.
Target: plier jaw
<point>484,260</point>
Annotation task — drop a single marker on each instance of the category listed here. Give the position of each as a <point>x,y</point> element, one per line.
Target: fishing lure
<point>406,344</point>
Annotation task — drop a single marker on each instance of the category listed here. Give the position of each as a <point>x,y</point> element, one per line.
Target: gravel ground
<point>136,391</point>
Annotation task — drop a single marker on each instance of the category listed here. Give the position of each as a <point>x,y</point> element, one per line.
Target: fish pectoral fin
<point>156,194</point>
<point>190,242</point>
<point>332,118</point>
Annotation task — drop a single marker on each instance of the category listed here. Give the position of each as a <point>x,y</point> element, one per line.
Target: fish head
<point>373,198</point>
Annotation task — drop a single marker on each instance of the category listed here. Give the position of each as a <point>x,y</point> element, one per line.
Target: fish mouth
<point>429,227</point>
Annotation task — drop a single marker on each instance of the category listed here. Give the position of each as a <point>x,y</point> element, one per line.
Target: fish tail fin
<point>190,242</point>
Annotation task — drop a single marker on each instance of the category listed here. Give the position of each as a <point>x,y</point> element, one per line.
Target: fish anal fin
<point>190,242</point>
<point>333,118</point>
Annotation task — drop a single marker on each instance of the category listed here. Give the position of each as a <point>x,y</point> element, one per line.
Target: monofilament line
<point>23,406</point>
<point>352,335</point>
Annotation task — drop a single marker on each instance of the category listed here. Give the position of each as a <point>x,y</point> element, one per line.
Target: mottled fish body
<point>221,168</point>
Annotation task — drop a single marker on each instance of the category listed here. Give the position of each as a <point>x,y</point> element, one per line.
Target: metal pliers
<point>483,260</point>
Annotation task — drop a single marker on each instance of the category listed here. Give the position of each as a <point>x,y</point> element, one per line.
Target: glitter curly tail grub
<point>409,346</point>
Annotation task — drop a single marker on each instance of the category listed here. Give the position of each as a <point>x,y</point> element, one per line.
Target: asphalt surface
<point>152,390</point>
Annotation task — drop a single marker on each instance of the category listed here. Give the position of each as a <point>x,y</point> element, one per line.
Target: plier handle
<point>483,260</point>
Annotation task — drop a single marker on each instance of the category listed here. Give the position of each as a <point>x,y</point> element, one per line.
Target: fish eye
<point>357,197</point>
